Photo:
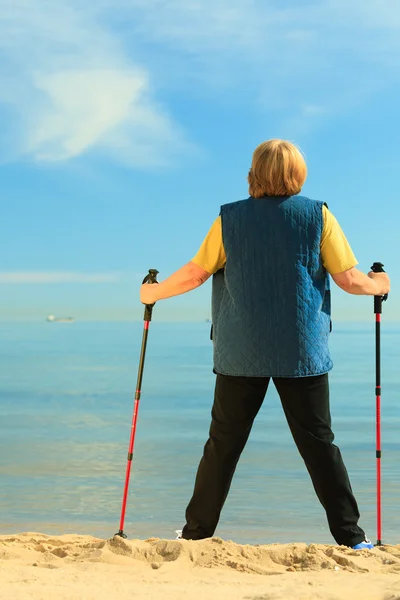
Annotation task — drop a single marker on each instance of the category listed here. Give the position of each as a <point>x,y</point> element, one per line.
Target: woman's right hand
<point>383,282</point>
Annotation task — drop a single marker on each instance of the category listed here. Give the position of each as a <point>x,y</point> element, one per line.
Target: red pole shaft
<point>378,491</point>
<point>133,429</point>
<point>129,461</point>
<point>378,438</point>
<point>377,267</point>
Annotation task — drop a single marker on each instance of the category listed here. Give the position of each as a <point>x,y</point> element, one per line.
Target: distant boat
<point>53,319</point>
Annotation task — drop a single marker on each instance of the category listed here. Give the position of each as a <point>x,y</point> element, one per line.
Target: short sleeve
<point>211,256</point>
<point>337,255</point>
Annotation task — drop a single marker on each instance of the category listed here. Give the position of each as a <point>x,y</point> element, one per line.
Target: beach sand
<point>75,567</point>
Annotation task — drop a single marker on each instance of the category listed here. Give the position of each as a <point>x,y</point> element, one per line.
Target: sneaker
<point>178,534</point>
<point>365,545</point>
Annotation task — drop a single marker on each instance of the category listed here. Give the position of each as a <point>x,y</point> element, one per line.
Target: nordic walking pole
<point>377,267</point>
<point>150,278</point>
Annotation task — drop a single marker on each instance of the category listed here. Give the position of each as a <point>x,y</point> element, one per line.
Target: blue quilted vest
<point>271,302</point>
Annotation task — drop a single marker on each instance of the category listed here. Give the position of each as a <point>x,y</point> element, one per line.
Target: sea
<point>66,403</point>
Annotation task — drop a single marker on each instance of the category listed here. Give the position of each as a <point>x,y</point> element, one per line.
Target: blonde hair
<point>278,169</point>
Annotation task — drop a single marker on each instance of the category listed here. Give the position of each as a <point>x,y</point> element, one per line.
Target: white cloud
<point>69,87</point>
<point>80,76</point>
<point>256,28</point>
<point>19,277</point>
<point>85,107</point>
<point>283,54</point>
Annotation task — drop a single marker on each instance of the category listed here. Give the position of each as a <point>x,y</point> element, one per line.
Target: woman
<point>271,256</point>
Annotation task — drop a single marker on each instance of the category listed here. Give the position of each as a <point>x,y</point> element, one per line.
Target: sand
<point>74,567</point>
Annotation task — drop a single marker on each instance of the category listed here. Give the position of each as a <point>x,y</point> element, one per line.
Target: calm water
<point>65,416</point>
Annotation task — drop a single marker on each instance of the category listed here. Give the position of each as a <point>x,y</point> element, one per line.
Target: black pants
<point>306,405</point>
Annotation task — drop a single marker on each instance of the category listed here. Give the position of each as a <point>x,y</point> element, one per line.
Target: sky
<point>125,124</point>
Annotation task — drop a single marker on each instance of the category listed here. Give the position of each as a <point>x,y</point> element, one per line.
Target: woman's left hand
<point>148,293</point>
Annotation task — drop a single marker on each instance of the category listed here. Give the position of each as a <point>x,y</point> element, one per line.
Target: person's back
<point>270,257</point>
<point>277,324</point>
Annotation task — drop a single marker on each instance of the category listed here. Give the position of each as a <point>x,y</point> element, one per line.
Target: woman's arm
<point>209,259</point>
<point>356,282</point>
<point>189,277</point>
<point>340,262</point>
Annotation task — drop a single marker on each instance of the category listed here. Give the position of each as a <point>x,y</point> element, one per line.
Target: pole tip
<point>121,534</point>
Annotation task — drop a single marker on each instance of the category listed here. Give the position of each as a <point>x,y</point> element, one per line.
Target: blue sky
<point>127,123</point>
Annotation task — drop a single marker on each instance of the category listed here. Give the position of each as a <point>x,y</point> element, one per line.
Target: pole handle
<point>150,278</point>
<point>377,267</point>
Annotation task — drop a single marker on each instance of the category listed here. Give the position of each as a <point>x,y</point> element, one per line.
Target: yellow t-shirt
<point>337,256</point>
